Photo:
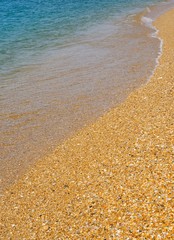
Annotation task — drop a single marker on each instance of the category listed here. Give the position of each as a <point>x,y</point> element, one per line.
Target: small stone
<point>45,227</point>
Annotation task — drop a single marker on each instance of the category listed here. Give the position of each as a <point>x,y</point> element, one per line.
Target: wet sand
<point>46,102</point>
<point>113,179</point>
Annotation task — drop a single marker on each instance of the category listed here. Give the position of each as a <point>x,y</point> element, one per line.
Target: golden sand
<point>113,179</point>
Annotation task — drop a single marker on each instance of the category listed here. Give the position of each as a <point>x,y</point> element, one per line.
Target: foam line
<point>148,22</point>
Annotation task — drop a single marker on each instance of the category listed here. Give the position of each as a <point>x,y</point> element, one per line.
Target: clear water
<point>63,63</point>
<point>29,27</point>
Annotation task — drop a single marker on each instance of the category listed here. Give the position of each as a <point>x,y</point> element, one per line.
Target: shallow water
<point>53,84</point>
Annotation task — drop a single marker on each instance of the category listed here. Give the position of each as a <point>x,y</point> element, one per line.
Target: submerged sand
<point>112,180</point>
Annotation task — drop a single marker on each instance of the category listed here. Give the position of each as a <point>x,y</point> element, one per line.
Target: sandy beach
<point>111,180</point>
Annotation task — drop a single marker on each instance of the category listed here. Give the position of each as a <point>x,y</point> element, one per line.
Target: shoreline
<point>42,128</point>
<point>119,182</point>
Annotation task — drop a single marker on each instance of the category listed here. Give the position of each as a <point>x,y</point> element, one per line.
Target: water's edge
<point>90,121</point>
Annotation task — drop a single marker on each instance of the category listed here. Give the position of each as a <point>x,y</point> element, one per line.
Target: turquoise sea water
<point>29,27</point>
<point>63,63</point>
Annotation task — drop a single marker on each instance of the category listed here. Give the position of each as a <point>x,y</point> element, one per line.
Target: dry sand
<point>113,179</point>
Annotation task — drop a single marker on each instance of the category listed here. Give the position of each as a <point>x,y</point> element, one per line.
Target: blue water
<point>29,27</point>
<point>63,63</point>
